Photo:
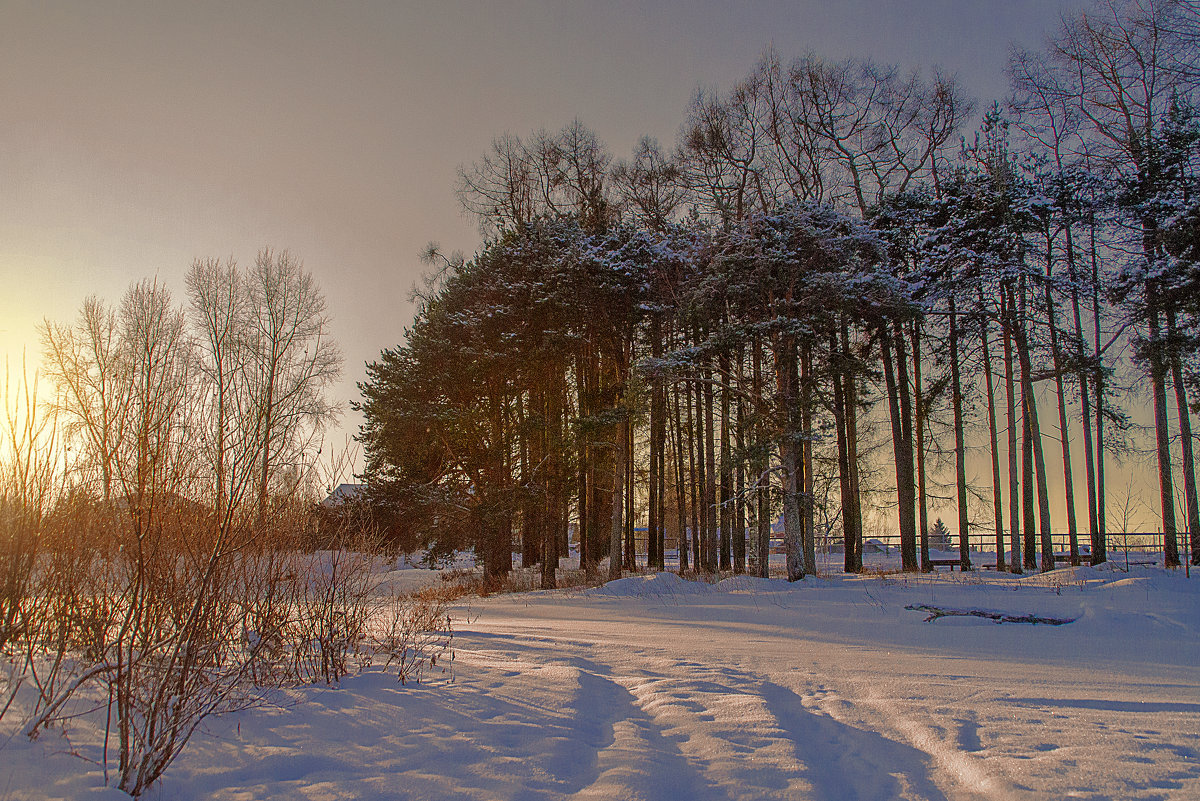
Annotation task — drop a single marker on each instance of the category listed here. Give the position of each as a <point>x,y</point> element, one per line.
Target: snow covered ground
<point>657,688</point>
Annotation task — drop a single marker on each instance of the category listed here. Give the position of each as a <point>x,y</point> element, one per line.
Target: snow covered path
<point>784,702</point>
<point>654,688</point>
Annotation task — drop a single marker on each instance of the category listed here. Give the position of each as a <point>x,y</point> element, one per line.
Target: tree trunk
<point>583,479</point>
<point>1063,429</point>
<point>547,483</point>
<point>710,470</point>
<point>997,499</point>
<point>221,512</point>
<point>1162,437</point>
<point>549,544</point>
<point>1100,543</point>
<point>839,419</point>
<point>762,473</point>
<point>902,452</point>
<point>739,518</point>
<point>497,556</point>
<point>919,406</point>
<point>530,519</point>
<point>726,476</point>
<point>808,509</point>
<point>1034,432</point>
<point>653,517</point>
<point>695,456</point>
<point>630,553</point>
<point>268,424</point>
<point>1185,437</point>
<point>1014,487</point>
<point>680,471</point>
<point>789,458</point>
<point>661,530</point>
<point>854,514</point>
<point>1085,399</point>
<point>787,378</point>
<point>908,544</point>
<point>618,504</point>
<point>960,448</point>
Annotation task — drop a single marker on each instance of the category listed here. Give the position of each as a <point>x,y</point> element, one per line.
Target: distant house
<point>344,493</point>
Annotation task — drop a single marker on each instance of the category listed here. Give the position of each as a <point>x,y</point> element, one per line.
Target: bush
<point>186,621</point>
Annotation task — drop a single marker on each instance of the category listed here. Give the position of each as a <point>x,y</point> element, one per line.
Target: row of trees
<point>822,268</point>
<point>221,402</point>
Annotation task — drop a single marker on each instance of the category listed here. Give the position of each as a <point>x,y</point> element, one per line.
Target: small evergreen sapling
<point>939,537</point>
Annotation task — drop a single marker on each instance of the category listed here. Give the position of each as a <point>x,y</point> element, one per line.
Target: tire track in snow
<point>845,762</point>
<point>718,731</point>
<point>598,743</point>
<point>723,723</point>
<point>641,763</point>
<point>944,753</point>
<point>750,737</point>
<point>761,740</point>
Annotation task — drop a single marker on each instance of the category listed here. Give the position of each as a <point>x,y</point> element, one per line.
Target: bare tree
<point>723,147</point>
<point>582,169</point>
<point>500,189</point>
<point>542,175</point>
<point>84,362</point>
<point>292,360</point>
<point>177,618</point>
<point>155,450</point>
<point>648,185</point>
<point>219,308</point>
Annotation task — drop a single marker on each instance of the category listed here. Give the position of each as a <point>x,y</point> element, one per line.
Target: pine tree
<point>939,536</point>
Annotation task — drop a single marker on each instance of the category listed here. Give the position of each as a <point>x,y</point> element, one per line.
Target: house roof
<point>343,493</point>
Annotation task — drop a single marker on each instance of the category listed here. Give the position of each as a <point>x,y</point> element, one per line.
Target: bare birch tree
<point>292,360</point>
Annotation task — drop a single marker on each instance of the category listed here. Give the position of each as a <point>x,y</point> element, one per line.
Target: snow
<point>653,687</point>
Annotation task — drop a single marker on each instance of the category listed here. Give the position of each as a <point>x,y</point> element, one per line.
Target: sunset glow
<point>676,400</point>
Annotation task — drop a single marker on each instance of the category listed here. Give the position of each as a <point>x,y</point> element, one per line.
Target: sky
<point>137,137</point>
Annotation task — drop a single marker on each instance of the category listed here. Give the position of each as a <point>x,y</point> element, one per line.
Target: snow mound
<point>654,585</point>
<point>754,584</point>
<point>408,579</point>
<point>669,585</point>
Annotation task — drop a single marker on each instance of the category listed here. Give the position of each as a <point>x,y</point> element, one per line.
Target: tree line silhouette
<point>798,308</point>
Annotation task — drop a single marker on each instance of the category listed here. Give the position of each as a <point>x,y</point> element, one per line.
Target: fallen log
<point>936,612</point>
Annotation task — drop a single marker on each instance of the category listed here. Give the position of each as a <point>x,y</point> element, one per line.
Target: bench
<point>950,563</point>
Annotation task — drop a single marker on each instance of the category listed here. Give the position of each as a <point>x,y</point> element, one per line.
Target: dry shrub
<point>29,483</point>
<point>412,633</point>
<point>523,579</point>
<point>180,621</point>
<point>332,600</point>
<point>144,554</point>
<point>175,617</point>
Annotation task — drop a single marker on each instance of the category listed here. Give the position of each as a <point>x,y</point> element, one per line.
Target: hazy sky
<point>135,137</point>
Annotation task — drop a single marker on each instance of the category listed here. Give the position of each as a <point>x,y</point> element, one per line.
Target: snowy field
<point>656,688</point>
